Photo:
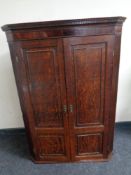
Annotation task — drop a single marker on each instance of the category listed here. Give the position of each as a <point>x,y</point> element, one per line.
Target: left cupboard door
<point>39,68</point>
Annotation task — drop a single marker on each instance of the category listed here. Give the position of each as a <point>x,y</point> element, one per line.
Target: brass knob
<point>71,108</point>
<point>64,108</point>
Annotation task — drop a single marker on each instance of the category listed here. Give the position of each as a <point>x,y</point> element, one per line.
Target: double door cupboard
<point>66,74</point>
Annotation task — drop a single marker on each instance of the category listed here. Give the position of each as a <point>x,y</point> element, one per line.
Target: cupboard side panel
<point>28,122</point>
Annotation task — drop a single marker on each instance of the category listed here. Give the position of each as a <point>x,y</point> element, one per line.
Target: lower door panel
<point>52,147</point>
<point>88,146</point>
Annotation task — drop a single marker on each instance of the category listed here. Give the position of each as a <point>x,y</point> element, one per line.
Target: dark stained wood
<point>59,23</point>
<point>66,74</point>
<point>89,75</point>
<point>44,73</point>
<point>33,34</point>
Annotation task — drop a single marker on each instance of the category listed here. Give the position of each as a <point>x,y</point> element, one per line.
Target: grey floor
<point>15,158</point>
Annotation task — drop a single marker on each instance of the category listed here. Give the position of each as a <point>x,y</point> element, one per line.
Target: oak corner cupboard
<point>66,74</point>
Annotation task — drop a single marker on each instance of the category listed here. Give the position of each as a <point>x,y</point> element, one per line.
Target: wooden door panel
<point>43,67</point>
<point>89,60</point>
<point>88,63</point>
<point>52,147</point>
<point>89,144</point>
<point>45,86</point>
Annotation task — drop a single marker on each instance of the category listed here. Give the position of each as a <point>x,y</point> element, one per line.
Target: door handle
<point>71,108</point>
<point>64,108</point>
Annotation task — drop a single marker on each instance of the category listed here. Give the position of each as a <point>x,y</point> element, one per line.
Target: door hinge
<point>34,151</point>
<point>22,53</point>
<point>113,53</point>
<point>17,59</point>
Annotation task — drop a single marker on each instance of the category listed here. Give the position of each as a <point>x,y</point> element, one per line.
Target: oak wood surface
<point>67,74</point>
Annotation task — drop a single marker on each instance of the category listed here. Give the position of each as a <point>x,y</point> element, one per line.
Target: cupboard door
<point>44,96</point>
<point>88,62</point>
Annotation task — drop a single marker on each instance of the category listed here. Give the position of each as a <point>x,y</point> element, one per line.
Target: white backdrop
<point>16,11</point>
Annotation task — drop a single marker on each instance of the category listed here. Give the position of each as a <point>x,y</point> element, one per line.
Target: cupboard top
<point>60,23</point>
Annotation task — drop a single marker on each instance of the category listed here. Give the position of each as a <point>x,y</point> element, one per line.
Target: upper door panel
<point>88,74</point>
<point>89,68</point>
<point>44,66</point>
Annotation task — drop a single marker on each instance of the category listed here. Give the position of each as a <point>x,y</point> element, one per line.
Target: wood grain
<point>66,75</point>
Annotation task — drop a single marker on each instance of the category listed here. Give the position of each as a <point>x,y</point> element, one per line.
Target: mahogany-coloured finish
<point>66,74</point>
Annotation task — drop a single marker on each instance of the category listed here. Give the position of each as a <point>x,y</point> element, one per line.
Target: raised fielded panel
<point>44,85</point>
